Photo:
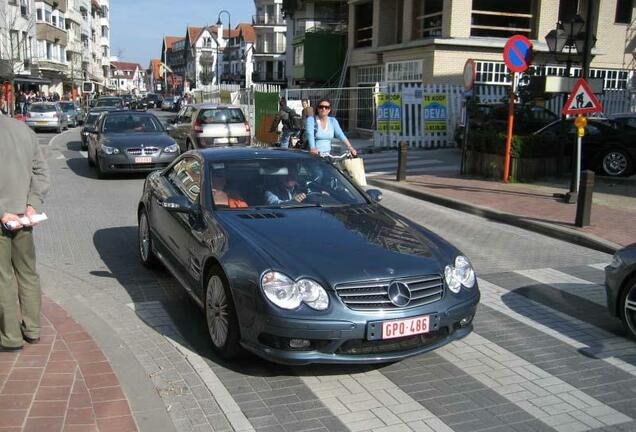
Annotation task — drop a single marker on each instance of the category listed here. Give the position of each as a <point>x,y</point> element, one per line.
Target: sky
<point>137,27</point>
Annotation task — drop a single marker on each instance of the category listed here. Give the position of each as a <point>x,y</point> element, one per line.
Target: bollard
<point>584,203</point>
<point>402,153</point>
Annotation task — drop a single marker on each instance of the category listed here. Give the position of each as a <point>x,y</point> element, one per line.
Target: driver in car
<point>287,189</point>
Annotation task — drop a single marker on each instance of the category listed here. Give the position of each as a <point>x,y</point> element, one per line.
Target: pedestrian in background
<point>24,182</point>
<point>321,129</point>
<point>283,116</point>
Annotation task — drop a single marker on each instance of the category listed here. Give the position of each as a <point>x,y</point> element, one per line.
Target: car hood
<point>136,140</point>
<point>338,245</point>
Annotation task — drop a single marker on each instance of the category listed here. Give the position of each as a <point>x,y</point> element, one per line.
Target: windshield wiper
<point>299,205</point>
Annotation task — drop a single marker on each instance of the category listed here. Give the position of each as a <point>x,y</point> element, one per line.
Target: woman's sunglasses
<point>324,107</point>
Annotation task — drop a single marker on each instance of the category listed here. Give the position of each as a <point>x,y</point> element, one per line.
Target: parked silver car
<point>620,285</point>
<point>47,115</point>
<point>210,125</point>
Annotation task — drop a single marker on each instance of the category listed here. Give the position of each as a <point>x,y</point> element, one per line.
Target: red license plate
<point>405,327</point>
<point>143,160</point>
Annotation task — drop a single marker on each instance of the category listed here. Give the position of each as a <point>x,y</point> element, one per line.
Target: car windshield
<point>221,115</point>
<point>67,106</point>
<point>109,103</point>
<point>131,123</point>
<point>42,108</point>
<point>91,119</point>
<point>280,183</point>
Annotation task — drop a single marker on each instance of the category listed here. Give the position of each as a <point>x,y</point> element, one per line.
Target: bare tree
<point>17,21</point>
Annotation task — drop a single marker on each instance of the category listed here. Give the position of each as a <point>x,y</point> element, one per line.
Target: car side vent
<point>265,215</point>
<point>362,210</point>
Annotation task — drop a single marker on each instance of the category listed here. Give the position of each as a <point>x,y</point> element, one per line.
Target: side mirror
<point>178,204</point>
<point>375,195</point>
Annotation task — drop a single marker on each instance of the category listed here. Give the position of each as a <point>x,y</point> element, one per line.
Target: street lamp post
<point>571,34</point>
<point>218,45</point>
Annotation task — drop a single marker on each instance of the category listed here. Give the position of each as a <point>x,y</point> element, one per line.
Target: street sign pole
<point>511,121</point>
<point>517,55</point>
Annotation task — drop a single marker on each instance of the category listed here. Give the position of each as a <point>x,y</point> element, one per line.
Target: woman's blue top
<point>320,138</point>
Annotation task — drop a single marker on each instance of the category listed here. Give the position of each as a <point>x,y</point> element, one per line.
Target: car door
<point>172,228</point>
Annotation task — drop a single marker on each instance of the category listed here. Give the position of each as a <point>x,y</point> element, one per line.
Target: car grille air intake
<point>147,151</point>
<point>373,295</point>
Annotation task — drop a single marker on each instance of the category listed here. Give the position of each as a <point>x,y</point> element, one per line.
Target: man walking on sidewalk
<point>24,182</point>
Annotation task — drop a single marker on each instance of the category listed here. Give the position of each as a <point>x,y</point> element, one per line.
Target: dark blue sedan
<point>292,261</point>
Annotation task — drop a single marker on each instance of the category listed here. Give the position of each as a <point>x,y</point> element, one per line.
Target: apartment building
<point>271,42</point>
<point>316,42</point>
<point>17,36</point>
<point>173,55</point>
<point>238,55</point>
<point>430,40</point>
<point>54,45</point>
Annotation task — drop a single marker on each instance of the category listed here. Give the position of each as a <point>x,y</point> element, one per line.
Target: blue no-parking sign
<point>517,53</point>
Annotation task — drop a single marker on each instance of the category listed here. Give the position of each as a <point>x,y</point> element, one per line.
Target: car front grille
<point>363,346</point>
<point>146,151</point>
<point>373,295</point>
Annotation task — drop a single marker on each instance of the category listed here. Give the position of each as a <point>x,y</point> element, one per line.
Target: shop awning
<point>31,80</point>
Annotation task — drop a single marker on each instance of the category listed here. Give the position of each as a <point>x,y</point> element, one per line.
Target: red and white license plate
<point>405,327</point>
<point>143,160</point>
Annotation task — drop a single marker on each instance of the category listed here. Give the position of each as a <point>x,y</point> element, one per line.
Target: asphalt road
<point>544,354</point>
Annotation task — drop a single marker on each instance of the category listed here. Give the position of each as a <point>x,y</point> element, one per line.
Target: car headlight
<point>289,294</point>
<point>171,148</point>
<point>460,274</point>
<point>616,262</point>
<point>110,150</point>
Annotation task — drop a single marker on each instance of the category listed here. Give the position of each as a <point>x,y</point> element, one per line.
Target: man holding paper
<point>24,182</point>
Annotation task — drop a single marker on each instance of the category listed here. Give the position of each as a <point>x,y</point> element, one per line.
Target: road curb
<point>552,230</point>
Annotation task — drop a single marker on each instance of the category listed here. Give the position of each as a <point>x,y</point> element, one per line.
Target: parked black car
<point>109,102</point>
<point>620,284</point>
<point>89,126</point>
<point>324,274</point>
<point>607,147</point>
<point>528,119</point>
<point>129,141</point>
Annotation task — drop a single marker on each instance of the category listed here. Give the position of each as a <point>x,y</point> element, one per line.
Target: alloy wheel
<point>615,163</point>
<point>144,238</point>
<point>216,310</point>
<point>630,310</point>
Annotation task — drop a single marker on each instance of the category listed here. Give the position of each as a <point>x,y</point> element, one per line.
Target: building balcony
<point>45,31</point>
<point>306,25</point>
<point>104,41</point>
<point>270,49</point>
<point>262,77</point>
<point>266,20</point>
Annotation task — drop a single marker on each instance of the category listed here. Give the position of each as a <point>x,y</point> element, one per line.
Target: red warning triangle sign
<point>582,100</point>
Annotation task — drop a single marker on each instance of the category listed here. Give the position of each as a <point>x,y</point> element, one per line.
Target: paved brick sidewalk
<point>612,224</point>
<point>64,383</point>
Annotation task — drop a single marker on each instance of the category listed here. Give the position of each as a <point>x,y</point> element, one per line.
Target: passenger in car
<point>222,196</point>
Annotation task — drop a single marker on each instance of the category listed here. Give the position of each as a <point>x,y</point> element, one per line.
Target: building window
<point>568,9</point>
<point>623,12</point>
<point>104,32</point>
<point>24,8</point>
<point>427,18</point>
<point>363,26</point>
<point>494,18</point>
<point>370,74</point>
<point>406,71</point>
<point>299,55</point>
<point>14,37</point>
<point>492,73</point>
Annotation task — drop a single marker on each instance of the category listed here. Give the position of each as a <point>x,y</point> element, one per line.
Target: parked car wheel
<point>148,258</point>
<point>628,307</point>
<point>616,163</point>
<point>221,318</point>
<point>100,174</point>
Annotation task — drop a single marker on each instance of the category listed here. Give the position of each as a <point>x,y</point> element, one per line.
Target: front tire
<point>144,241</point>
<point>628,308</point>
<point>100,173</point>
<point>616,163</point>
<point>220,316</point>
